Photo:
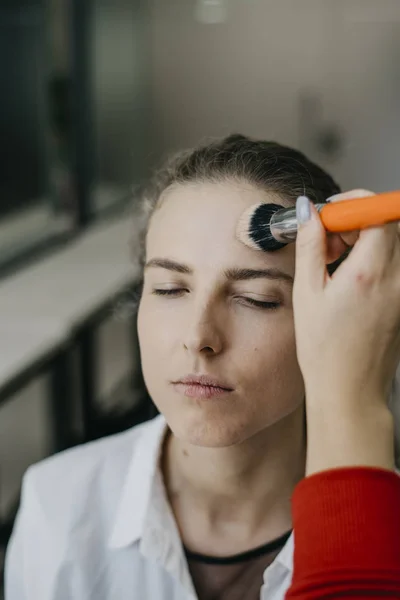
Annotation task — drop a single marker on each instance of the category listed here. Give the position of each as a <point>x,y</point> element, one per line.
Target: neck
<point>250,484</point>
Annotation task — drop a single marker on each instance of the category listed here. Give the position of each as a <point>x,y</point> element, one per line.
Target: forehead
<point>196,223</point>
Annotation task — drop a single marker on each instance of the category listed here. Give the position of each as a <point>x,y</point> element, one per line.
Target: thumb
<point>310,247</point>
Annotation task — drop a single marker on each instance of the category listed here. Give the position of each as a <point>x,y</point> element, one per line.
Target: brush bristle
<point>254,230</point>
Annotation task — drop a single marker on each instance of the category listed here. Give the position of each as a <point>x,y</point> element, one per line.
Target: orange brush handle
<point>360,213</point>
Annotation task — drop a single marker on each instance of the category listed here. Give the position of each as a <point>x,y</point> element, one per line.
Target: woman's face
<point>216,311</point>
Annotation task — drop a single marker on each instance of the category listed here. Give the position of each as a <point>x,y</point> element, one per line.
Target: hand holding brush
<point>348,343</point>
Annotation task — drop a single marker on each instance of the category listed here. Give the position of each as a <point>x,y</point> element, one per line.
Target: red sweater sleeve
<point>346,535</point>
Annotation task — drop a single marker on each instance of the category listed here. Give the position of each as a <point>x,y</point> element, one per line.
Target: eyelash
<point>256,303</point>
<point>261,304</point>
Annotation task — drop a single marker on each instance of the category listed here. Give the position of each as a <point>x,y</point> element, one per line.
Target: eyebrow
<point>232,274</point>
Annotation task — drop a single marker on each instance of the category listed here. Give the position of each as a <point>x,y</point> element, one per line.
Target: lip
<point>202,386</point>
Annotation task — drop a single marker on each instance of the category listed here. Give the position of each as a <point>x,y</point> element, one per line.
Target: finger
<point>335,247</point>
<point>350,238</point>
<point>310,247</point>
<point>350,195</point>
<point>375,251</point>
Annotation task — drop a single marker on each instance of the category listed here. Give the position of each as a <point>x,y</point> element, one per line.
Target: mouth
<point>202,386</point>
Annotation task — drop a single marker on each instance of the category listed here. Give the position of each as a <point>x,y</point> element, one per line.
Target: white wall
<point>242,75</point>
<point>248,75</point>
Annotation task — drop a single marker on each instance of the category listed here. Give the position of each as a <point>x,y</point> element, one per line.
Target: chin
<point>211,433</point>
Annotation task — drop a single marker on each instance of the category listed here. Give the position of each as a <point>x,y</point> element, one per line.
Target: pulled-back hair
<point>266,165</point>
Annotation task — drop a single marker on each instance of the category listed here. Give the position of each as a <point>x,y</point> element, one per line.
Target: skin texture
<point>210,326</point>
<point>230,462</point>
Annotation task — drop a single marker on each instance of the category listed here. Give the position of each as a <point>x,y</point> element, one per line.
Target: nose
<point>204,334</point>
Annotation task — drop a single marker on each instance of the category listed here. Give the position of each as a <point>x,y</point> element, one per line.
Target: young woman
<point>197,502</point>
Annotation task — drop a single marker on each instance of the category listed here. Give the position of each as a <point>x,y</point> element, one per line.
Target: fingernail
<point>333,198</point>
<point>303,210</point>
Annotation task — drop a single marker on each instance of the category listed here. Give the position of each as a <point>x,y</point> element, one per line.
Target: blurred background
<point>93,94</point>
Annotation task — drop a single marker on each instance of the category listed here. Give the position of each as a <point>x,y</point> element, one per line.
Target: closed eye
<point>259,303</point>
<point>244,300</point>
<point>169,291</point>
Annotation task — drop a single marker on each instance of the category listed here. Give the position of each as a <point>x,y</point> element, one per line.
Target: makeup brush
<point>269,227</point>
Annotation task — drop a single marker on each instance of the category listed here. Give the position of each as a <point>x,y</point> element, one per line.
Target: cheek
<point>270,360</point>
<point>149,344</point>
<point>279,390</point>
<point>156,333</point>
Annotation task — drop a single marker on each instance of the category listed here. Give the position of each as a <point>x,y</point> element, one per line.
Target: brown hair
<point>266,165</point>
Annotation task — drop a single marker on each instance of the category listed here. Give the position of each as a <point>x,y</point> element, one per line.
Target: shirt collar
<point>141,489</point>
<point>285,556</point>
<point>136,492</point>
<point>144,513</point>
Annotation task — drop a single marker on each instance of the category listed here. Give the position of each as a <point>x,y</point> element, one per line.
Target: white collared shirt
<point>95,524</point>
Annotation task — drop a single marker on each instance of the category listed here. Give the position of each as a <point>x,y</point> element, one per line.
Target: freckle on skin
<point>185,453</point>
